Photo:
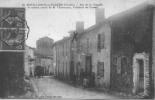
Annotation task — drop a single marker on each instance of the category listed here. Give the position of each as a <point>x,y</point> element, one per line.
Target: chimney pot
<point>79,27</point>
<point>100,15</point>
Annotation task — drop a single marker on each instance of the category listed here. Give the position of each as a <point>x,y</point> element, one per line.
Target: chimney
<point>100,16</point>
<point>79,27</point>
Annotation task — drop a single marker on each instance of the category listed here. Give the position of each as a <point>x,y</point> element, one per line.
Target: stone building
<point>44,55</point>
<point>54,59</point>
<point>93,51</point>
<point>29,61</point>
<point>62,59</point>
<point>132,49</point>
<point>88,52</point>
<point>11,51</point>
<point>119,50</point>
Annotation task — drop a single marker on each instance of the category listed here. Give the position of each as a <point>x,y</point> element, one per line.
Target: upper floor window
<point>87,44</point>
<point>100,42</point>
<point>63,49</point>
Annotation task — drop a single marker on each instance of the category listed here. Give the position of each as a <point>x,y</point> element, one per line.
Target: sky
<point>56,23</point>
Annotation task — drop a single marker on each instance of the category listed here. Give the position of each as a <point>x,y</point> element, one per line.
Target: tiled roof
<point>131,11</point>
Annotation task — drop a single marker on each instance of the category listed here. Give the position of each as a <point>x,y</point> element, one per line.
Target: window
<point>66,48</point>
<point>66,69</point>
<point>123,65</point>
<point>118,65</point>
<point>99,42</point>
<point>100,69</point>
<point>63,50</point>
<point>87,44</point>
<point>63,68</point>
<point>114,61</point>
<point>102,40</point>
<point>79,47</point>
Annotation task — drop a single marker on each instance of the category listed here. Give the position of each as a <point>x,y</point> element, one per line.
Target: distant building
<point>44,55</point>
<point>54,59</point>
<point>29,61</point>
<point>61,55</point>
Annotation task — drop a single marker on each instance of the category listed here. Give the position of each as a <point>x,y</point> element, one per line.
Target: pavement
<point>48,88</point>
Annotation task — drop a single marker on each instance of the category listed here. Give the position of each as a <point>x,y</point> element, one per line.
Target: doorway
<point>88,65</point>
<point>141,75</point>
<point>140,72</point>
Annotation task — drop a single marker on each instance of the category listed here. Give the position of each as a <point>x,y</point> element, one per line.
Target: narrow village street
<point>85,50</point>
<point>49,87</point>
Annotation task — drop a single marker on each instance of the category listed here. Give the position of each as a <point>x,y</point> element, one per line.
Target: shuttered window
<point>100,69</point>
<point>100,42</point>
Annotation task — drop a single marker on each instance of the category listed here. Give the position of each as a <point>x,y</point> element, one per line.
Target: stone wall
<point>131,33</point>
<point>88,45</point>
<point>62,58</point>
<point>11,73</point>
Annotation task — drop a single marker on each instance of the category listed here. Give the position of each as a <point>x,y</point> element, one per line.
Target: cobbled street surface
<point>49,87</point>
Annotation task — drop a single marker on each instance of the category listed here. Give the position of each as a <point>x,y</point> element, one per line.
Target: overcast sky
<point>55,23</point>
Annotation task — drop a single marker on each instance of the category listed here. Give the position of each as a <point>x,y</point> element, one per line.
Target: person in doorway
<point>85,82</point>
<point>81,76</point>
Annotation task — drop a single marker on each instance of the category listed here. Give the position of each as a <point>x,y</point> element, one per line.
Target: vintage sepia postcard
<point>77,49</point>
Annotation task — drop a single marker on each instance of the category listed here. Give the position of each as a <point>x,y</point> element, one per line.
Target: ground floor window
<point>100,69</point>
<point>124,65</point>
